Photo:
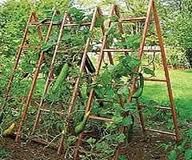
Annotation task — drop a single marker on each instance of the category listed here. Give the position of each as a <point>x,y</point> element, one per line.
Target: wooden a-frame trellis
<point>33,22</point>
<point>104,49</point>
<point>97,14</point>
<point>66,22</point>
<point>151,11</point>
<point>36,73</point>
<point>32,18</point>
<point>24,46</point>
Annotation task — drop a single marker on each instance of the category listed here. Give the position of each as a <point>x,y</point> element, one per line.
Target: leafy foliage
<point>112,86</point>
<point>178,25</point>
<point>3,153</point>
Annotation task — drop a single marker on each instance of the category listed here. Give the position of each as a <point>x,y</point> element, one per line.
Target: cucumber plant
<point>112,85</point>
<point>113,88</point>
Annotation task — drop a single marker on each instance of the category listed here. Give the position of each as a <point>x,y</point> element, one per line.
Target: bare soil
<point>141,147</point>
<point>32,151</point>
<point>148,147</point>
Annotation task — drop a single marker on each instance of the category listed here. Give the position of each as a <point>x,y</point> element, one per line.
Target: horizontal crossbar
<point>163,108</point>
<point>158,107</point>
<point>155,80</point>
<point>159,131</point>
<point>30,47</point>
<point>59,23</point>
<point>48,111</point>
<point>133,19</point>
<point>129,50</point>
<point>100,118</point>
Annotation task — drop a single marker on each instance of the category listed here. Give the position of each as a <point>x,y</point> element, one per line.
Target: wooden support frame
<point>63,24</point>
<point>151,11</point>
<point>32,18</point>
<point>91,94</point>
<point>35,76</point>
<point>33,21</point>
<point>51,69</point>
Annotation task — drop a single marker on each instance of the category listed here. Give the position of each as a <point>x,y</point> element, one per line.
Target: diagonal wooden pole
<point>120,25</point>
<point>164,61</point>
<point>39,29</point>
<point>74,95</point>
<point>26,106</point>
<point>32,17</point>
<point>82,66</point>
<point>141,50</point>
<point>110,56</point>
<point>140,55</point>
<point>51,68</point>
<point>18,55</point>
<point>91,94</point>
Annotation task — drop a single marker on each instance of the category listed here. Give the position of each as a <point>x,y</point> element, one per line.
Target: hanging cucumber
<point>9,130</point>
<point>139,91</point>
<point>81,126</point>
<point>60,79</point>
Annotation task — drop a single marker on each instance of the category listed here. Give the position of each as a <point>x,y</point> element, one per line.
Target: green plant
<point>172,155</point>
<point>113,87</point>
<point>176,58</point>
<point>3,153</point>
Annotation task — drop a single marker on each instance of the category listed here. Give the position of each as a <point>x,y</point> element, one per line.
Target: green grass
<point>182,89</point>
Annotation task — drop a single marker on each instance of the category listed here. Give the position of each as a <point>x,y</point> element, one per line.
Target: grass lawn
<point>182,89</point>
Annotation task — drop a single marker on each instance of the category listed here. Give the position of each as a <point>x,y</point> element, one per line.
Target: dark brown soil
<point>147,147</point>
<point>32,151</point>
<point>140,148</point>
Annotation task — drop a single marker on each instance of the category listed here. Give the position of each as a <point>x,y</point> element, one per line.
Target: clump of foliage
<point>3,153</point>
<point>112,89</point>
<point>176,17</point>
<point>14,14</point>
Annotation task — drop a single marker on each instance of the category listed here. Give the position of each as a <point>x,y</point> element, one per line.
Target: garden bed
<point>141,147</point>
